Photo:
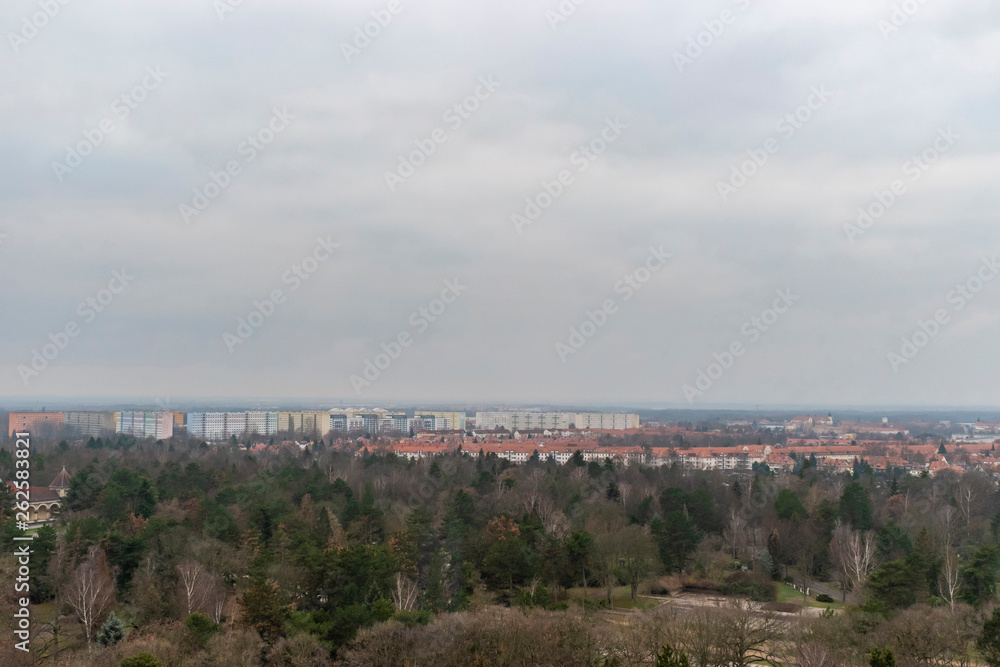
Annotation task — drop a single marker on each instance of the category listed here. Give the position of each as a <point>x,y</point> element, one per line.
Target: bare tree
<point>747,635</point>
<point>404,595</point>
<point>966,497</point>
<point>215,598</point>
<point>735,532</point>
<point>947,522</point>
<point>193,580</point>
<point>625,492</point>
<point>949,580</point>
<point>91,591</point>
<point>814,654</point>
<point>635,557</point>
<point>605,562</point>
<point>854,553</point>
<point>699,635</point>
<point>531,490</point>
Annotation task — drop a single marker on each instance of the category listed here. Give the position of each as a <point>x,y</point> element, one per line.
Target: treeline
<point>188,551</point>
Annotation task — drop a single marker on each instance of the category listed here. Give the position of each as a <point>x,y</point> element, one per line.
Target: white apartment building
<point>262,423</point>
<point>142,424</point>
<point>606,421</point>
<point>221,425</point>
<point>521,421</point>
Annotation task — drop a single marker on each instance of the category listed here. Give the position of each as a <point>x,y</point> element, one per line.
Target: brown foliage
<point>496,637</point>
<point>500,528</point>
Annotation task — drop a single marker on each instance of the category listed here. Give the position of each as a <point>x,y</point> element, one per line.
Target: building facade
<point>455,419</point>
<point>41,424</point>
<point>305,423</point>
<point>94,424</point>
<point>215,426</point>
<point>527,420</point>
<point>142,424</point>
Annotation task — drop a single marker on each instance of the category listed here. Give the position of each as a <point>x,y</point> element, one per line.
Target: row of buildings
<point>221,425</point>
<point>213,426</point>
<point>530,420</point>
<point>141,424</point>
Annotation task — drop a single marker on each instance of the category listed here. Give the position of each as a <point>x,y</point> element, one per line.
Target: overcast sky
<point>883,87</point>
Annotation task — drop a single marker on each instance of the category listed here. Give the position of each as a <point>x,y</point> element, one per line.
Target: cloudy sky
<point>739,138</point>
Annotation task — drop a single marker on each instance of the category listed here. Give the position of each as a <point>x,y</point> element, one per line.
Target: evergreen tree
<point>882,658</point>
<point>112,632</point>
<point>676,539</point>
<point>668,657</point>
<point>856,507</point>
<point>788,506</point>
<point>988,642</point>
<point>201,627</point>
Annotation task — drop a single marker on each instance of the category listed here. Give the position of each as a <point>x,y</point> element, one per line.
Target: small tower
<point>61,483</point>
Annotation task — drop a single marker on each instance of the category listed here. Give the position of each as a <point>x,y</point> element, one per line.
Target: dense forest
<point>181,553</point>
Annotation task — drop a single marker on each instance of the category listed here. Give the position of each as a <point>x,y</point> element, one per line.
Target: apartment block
<point>305,422</point>
<point>262,423</point>
<point>221,425</point>
<point>527,420</point>
<point>90,423</point>
<point>455,419</point>
<point>42,424</point>
<point>606,421</point>
<point>142,424</point>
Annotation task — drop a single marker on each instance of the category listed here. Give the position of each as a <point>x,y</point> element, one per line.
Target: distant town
<point>821,441</point>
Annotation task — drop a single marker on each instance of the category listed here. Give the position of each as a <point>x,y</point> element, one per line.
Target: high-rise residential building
<point>304,423</point>
<point>236,423</point>
<point>41,424</point>
<point>371,419</point>
<point>523,421</point>
<point>527,420</point>
<point>221,425</point>
<point>606,421</point>
<point>455,419</point>
<point>143,424</point>
<point>94,424</point>
<point>208,426</point>
<point>436,423</point>
<point>196,424</point>
<point>396,421</point>
<point>262,423</point>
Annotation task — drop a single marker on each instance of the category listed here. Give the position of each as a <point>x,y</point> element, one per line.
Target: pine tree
<point>112,632</point>
<point>882,658</point>
<point>988,642</point>
<point>668,657</point>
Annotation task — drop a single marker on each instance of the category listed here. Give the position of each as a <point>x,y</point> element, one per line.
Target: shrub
<point>141,660</point>
<point>670,658</point>
<point>201,627</point>
<point>413,618</point>
<point>823,597</point>
<point>746,583</point>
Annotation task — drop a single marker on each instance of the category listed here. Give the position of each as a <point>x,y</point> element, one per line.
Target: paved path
<point>817,587</point>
